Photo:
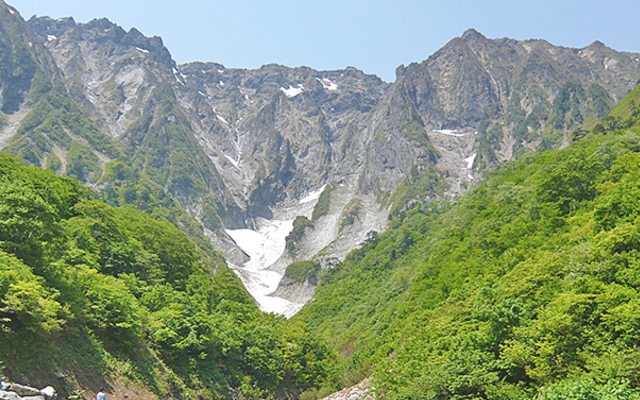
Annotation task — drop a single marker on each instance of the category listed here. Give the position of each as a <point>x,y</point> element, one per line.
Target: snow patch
<point>264,246</point>
<point>328,84</point>
<point>221,83</point>
<point>315,195</point>
<point>449,132</point>
<point>293,91</point>
<point>51,38</point>
<point>469,160</point>
<point>470,176</point>
<point>220,71</point>
<point>11,11</point>
<point>232,161</point>
<point>175,75</point>
<point>142,50</point>
<point>222,119</point>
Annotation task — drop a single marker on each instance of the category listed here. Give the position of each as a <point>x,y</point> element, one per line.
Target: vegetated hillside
<point>112,298</point>
<point>525,287</point>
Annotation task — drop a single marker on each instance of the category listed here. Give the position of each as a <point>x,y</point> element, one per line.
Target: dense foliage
<point>301,271</point>
<point>526,287</point>
<point>135,296</point>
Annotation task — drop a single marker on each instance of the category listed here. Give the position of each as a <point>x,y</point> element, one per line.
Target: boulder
<point>8,395</point>
<point>21,390</point>
<point>13,391</point>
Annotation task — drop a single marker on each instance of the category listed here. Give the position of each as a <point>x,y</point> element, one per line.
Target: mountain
<point>519,96</point>
<point>318,159</point>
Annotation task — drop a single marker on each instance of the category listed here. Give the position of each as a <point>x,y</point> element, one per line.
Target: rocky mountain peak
<point>99,32</point>
<point>597,45</point>
<point>153,45</point>
<point>51,26</point>
<point>472,34</point>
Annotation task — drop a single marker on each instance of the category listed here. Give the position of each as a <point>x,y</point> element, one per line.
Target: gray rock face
<point>113,72</point>
<point>234,145</point>
<point>14,391</point>
<point>360,391</point>
<point>277,133</point>
<point>519,96</point>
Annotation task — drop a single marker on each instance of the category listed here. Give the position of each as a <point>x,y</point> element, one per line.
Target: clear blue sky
<point>373,35</point>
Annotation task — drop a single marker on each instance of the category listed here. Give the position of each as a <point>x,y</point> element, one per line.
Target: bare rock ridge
<point>328,156</point>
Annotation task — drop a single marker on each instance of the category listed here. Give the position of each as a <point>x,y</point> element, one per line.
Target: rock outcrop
<point>14,391</point>
<point>361,391</point>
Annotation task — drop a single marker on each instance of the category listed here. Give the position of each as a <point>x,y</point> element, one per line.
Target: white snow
<point>49,392</point>
<point>142,50</point>
<point>264,246</point>
<point>221,71</point>
<point>315,195</point>
<point>221,83</point>
<point>203,94</point>
<point>175,75</point>
<point>222,119</point>
<point>293,91</point>
<point>51,38</point>
<point>449,132</point>
<point>11,11</point>
<point>469,160</point>
<point>232,161</point>
<point>470,176</point>
<point>328,84</point>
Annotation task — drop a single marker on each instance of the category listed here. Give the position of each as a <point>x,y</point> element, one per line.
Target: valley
<point>468,230</point>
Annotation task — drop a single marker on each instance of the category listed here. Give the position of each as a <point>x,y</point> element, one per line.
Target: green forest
<point>526,287</point>
<point>104,292</point>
